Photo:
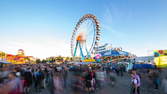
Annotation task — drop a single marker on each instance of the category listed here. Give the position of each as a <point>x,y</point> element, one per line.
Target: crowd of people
<point>28,78</point>
<point>80,79</point>
<point>21,79</point>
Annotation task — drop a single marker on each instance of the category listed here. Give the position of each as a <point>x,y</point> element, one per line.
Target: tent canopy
<point>143,66</point>
<point>4,62</point>
<point>83,63</point>
<point>114,53</point>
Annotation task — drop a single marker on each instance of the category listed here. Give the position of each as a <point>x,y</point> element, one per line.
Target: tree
<point>38,61</point>
<point>67,59</point>
<point>2,55</point>
<point>27,60</point>
<point>59,58</point>
<point>44,61</point>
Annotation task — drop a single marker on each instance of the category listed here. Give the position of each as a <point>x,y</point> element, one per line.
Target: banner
<point>161,61</point>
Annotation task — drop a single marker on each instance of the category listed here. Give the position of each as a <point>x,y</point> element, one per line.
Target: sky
<point>43,28</point>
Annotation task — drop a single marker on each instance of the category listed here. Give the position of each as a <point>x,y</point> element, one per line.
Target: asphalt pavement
<point>122,86</point>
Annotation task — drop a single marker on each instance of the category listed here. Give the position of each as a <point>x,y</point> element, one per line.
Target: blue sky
<point>43,27</point>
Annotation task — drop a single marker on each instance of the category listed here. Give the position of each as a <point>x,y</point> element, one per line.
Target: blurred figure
<point>154,78</point>
<point>90,81</point>
<point>58,83</point>
<point>37,80</point>
<point>28,80</point>
<point>49,81</point>
<point>65,76</point>
<point>100,78</point>
<point>135,83</point>
<point>112,78</point>
<point>164,85</point>
<point>14,86</point>
<point>4,73</point>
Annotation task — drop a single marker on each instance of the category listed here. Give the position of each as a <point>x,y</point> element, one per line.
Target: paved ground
<point>122,87</point>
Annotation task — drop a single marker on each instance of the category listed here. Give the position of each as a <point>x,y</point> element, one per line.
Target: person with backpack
<point>135,83</point>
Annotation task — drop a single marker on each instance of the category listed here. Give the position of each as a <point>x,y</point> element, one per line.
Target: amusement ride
<point>85,37</point>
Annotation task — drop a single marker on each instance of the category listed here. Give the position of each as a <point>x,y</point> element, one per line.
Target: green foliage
<point>38,61</point>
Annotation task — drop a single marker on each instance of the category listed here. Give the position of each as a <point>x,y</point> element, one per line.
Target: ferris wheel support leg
<point>75,49</point>
<point>88,54</point>
<point>81,52</point>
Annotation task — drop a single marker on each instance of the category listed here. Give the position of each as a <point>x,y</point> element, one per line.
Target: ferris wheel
<point>85,37</point>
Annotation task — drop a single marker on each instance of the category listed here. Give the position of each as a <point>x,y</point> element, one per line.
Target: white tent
<point>4,62</point>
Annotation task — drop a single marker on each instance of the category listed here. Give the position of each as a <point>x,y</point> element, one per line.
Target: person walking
<point>135,83</point>
<point>58,83</point>
<point>65,76</point>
